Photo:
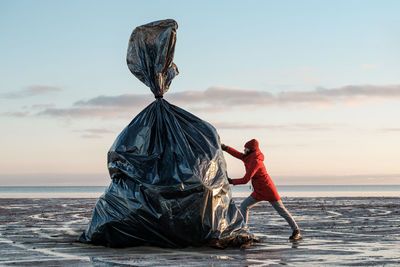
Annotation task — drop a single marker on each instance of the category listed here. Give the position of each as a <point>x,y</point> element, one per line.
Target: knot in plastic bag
<point>150,55</point>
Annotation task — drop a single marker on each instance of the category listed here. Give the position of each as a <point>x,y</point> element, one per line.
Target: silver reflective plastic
<point>169,184</point>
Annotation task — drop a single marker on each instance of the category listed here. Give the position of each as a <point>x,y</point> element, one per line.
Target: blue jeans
<point>277,205</point>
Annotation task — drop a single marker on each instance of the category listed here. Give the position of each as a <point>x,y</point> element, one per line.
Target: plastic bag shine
<point>169,185</point>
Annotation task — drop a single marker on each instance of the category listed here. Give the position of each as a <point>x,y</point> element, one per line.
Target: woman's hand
<point>223,147</point>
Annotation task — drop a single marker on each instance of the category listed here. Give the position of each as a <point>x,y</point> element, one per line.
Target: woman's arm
<point>234,152</point>
<point>249,174</point>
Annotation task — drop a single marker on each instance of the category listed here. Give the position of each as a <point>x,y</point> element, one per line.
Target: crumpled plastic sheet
<point>169,184</point>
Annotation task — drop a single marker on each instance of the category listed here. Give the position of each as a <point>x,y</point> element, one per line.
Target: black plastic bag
<point>169,185</point>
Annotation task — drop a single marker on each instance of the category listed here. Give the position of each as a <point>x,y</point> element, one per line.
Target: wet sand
<point>337,231</point>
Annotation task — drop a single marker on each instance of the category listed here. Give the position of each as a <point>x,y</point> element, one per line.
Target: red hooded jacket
<point>264,188</point>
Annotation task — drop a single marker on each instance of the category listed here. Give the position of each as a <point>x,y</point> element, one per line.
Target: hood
<point>252,145</point>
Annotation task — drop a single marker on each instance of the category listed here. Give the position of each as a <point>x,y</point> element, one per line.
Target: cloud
<point>99,131</point>
<point>43,106</point>
<point>104,107</point>
<point>216,99</point>
<point>94,133</point>
<point>223,96</point>
<point>221,99</point>
<point>362,91</point>
<point>125,100</point>
<point>390,130</point>
<point>345,94</point>
<point>91,136</point>
<point>287,127</point>
<point>213,95</point>
<point>85,112</point>
<point>26,110</point>
<point>369,66</point>
<point>33,90</point>
<point>16,114</point>
<point>211,100</point>
<point>229,97</point>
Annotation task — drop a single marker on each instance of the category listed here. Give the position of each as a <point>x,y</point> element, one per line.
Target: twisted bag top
<point>150,55</point>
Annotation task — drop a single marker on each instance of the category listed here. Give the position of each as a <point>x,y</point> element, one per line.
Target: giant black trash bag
<point>169,185</point>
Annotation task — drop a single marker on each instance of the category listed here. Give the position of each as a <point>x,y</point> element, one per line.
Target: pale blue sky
<point>317,82</point>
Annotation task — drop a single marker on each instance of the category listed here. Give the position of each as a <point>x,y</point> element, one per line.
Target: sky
<point>316,82</point>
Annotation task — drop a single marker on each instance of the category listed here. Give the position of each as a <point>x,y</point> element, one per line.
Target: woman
<point>264,188</point>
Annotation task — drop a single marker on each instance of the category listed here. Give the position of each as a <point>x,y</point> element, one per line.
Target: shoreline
<point>286,191</point>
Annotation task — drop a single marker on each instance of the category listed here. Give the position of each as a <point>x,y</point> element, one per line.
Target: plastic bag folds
<point>169,184</point>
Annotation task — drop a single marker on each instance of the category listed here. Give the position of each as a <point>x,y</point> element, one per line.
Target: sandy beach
<point>337,231</point>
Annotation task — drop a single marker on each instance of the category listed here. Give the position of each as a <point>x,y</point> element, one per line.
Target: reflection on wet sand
<point>337,231</point>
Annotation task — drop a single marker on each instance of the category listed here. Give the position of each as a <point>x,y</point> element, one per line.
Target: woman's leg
<point>280,208</point>
<point>246,205</point>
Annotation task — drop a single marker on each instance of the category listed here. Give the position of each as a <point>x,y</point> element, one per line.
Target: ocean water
<point>237,191</point>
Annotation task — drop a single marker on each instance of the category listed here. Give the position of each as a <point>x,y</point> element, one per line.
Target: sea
<point>237,191</point>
